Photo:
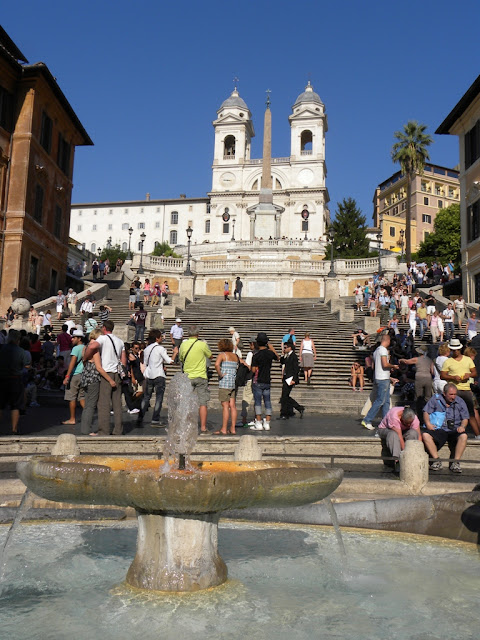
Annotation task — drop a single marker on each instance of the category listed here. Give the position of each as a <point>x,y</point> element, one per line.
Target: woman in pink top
<point>400,424</point>
<point>146,291</point>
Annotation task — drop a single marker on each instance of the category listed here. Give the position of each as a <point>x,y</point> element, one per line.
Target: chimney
<point>183,196</point>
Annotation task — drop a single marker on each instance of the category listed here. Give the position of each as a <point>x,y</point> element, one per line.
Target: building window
<point>472,145</point>
<point>306,139</point>
<point>94,227</point>
<point>392,232</point>
<point>38,208</point>
<point>440,204</point>
<point>141,210</point>
<point>477,288</point>
<point>125,226</point>
<point>427,218</point>
<point>158,209</point>
<point>63,155</point>
<point>425,200</point>
<point>46,133</point>
<point>79,227</point>
<point>94,212</point>
<point>110,212</point>
<point>226,227</point>
<point>53,282</point>
<point>33,273</point>
<point>93,247</point>
<point>208,208</point>
<point>451,192</point>
<point>438,190</point>
<point>80,212</point>
<point>426,234</point>
<point>141,225</point>
<point>139,245</point>
<point>404,206</point>
<point>395,211</point>
<point>229,147</point>
<point>126,211</point>
<point>424,186</point>
<point>6,109</point>
<point>304,225</point>
<point>174,217</point>
<point>57,225</point>
<point>207,226</point>
<point>173,237</point>
<point>110,227</point>
<point>124,246</point>
<point>157,225</point>
<point>473,221</point>
<point>156,244</point>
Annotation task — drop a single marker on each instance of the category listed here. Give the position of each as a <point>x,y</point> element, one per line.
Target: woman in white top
<point>443,354</point>
<point>459,308</point>
<point>308,355</point>
<point>412,319</point>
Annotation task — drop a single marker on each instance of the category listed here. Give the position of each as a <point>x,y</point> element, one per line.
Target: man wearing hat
<point>176,336</point>
<point>459,369</point>
<point>73,390</point>
<point>291,370</point>
<point>261,368</point>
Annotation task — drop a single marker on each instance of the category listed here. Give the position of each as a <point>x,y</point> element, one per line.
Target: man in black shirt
<point>261,368</point>
<point>290,378</point>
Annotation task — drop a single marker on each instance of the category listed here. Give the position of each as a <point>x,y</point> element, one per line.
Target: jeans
<point>382,400</point>
<point>139,332</point>
<point>448,330</point>
<point>151,384</point>
<point>110,398</point>
<point>262,390</point>
<point>423,326</point>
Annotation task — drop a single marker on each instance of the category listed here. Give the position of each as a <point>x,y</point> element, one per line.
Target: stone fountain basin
<point>212,486</point>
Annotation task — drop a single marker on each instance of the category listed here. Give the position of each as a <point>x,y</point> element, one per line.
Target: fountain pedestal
<point>177,552</point>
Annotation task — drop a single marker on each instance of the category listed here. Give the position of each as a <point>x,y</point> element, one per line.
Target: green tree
<point>410,151</point>
<point>113,254</point>
<point>164,249</point>
<point>444,243</point>
<point>350,231</point>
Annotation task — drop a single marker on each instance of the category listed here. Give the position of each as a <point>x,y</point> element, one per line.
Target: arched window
<point>173,238</point>
<point>207,226</point>
<point>156,244</point>
<point>93,247</point>
<point>124,246</point>
<point>306,140</point>
<point>229,147</point>
<point>139,246</point>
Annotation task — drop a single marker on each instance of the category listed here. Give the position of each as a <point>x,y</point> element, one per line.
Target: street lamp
<point>140,266</point>
<point>402,242</point>
<point>233,230</point>
<point>130,231</point>
<point>109,242</point>
<point>99,251</point>
<point>331,235</point>
<point>188,271</point>
<point>379,239</point>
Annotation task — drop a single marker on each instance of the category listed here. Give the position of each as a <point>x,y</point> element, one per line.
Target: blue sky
<point>147,77</point>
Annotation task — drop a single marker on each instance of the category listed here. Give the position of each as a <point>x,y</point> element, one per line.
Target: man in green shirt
<point>73,390</point>
<point>193,354</point>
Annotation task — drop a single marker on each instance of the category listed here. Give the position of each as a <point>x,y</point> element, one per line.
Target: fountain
<point>178,501</point>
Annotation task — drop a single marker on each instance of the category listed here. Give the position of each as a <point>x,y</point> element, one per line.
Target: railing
<point>274,160</point>
<point>306,152</point>
<point>160,263</point>
<point>229,157</point>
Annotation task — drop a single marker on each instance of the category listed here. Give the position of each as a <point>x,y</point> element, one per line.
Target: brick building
<point>38,134</point>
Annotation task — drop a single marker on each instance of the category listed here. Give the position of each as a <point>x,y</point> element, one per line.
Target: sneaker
<point>266,424</point>
<point>250,424</point>
<point>155,423</point>
<point>436,465</point>
<point>476,438</point>
<point>34,404</point>
<point>368,425</point>
<point>455,467</point>
<point>134,411</point>
<point>257,426</point>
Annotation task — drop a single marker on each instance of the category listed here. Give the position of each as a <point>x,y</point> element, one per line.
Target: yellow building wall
<point>306,289</point>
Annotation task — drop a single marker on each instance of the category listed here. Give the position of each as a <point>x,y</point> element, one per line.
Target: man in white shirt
<point>382,368</point>
<point>154,357</point>
<point>112,353</point>
<point>448,316</point>
<point>176,336</point>
<point>72,301</point>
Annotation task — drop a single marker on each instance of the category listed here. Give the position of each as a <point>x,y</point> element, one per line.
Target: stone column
<point>332,289</point>
<point>414,466</point>
<point>177,552</point>
<point>186,287</point>
<point>247,449</point>
<point>252,226</point>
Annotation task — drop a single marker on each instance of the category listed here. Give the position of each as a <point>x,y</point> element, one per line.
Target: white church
<point>228,219</point>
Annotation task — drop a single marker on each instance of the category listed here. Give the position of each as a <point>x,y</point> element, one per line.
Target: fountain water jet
<point>178,510</point>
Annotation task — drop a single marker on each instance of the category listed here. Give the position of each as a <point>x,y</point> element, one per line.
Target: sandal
<point>220,433</point>
<point>232,433</point>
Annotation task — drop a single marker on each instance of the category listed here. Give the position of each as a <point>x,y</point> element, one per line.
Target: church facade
<point>228,213</point>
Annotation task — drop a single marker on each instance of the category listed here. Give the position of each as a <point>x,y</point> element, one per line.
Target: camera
<point>451,424</point>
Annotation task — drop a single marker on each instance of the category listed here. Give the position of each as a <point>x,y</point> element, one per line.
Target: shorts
<point>76,392</point>
<point>441,437</point>
<point>11,392</point>
<point>404,311</point>
<point>132,298</point>
<point>200,386</point>
<point>224,395</point>
<point>467,397</point>
<point>430,310</point>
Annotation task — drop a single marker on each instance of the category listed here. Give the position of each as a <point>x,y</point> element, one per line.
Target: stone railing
<point>159,263</point>
<point>274,160</point>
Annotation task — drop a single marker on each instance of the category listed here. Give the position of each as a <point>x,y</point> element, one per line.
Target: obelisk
<point>266,184</point>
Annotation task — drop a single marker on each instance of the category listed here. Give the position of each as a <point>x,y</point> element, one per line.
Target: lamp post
<point>233,230</point>
<point>99,251</point>
<point>109,242</point>
<point>130,231</point>
<point>331,235</point>
<point>402,242</point>
<point>140,266</point>
<point>379,239</point>
<point>188,271</point>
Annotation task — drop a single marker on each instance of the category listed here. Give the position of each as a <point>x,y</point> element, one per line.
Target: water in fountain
<point>182,430</point>
<point>25,504</point>
<point>333,516</point>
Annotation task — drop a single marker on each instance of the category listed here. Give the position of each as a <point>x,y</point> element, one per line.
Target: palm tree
<point>410,151</point>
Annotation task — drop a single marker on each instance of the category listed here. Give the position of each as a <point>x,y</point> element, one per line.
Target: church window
<point>125,226</point>
<point>306,140</point>
<point>173,237</point>
<point>229,147</point>
<point>124,246</point>
<point>226,227</point>
<point>207,226</point>
<point>174,217</point>
<point>93,247</point>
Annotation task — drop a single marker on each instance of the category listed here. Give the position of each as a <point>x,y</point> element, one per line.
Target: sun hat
<point>455,344</point>
<point>78,333</point>
<point>177,320</point>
